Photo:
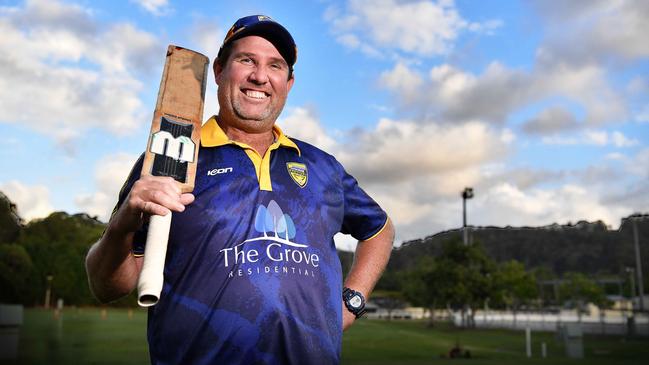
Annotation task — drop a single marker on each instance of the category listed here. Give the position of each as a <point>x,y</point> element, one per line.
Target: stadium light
<point>466,194</point>
<point>638,261</point>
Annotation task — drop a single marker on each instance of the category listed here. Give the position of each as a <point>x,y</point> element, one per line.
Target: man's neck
<point>258,141</point>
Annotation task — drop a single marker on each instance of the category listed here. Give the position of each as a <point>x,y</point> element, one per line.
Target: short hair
<point>226,52</point>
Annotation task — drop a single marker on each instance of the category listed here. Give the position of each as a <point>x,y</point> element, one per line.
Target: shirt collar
<point>213,136</point>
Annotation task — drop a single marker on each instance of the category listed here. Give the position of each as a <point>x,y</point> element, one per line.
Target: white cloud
<point>353,42</point>
<point>524,178</point>
<point>593,137</point>
<point>400,150</point>
<point>449,93</point>
<point>639,165</point>
<point>560,140</point>
<point>83,75</point>
<point>620,140</point>
<point>638,85</point>
<point>417,27</point>
<point>404,81</point>
<point>110,174</point>
<point>599,138</point>
<point>155,7</point>
<point>507,136</point>
<point>551,121</point>
<point>31,201</point>
<point>615,156</point>
<point>573,64</point>
<point>206,37</point>
<point>586,85</point>
<point>505,204</point>
<point>302,124</point>
<point>597,31</point>
<point>643,115</point>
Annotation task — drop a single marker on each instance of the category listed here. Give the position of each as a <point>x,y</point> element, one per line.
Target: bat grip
<point>149,285</point>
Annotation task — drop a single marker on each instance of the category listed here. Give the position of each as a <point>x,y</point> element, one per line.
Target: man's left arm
<point>370,259</point>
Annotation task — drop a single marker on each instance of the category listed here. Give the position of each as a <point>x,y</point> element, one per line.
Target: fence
<point>608,323</point>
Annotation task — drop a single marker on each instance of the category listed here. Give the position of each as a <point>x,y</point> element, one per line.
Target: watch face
<point>355,301</point>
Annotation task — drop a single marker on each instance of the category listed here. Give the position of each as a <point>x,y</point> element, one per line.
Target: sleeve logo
<point>298,173</point>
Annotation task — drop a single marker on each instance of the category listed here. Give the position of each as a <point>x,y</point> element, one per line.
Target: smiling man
<point>252,274</point>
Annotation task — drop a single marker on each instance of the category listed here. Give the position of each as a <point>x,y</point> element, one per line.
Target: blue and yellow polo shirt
<point>252,275</point>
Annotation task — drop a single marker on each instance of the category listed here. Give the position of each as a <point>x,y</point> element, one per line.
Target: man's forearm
<point>112,269</point>
<point>370,259</point>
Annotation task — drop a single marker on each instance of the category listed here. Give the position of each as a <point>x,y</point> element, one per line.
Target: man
<point>252,275</point>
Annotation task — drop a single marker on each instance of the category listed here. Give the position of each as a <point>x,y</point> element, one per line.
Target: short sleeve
<point>363,217</point>
<point>139,239</point>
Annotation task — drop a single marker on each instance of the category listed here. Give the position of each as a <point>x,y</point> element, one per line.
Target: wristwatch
<point>354,301</point>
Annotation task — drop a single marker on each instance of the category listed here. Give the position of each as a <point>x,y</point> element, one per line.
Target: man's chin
<point>248,112</point>
<point>252,117</point>
<point>253,122</point>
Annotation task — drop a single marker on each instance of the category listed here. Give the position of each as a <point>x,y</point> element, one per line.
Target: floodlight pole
<point>638,262</point>
<point>631,272</point>
<point>466,194</point>
<point>48,291</point>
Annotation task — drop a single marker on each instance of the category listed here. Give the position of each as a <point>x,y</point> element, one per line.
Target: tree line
<point>50,253</point>
<point>464,278</point>
<point>46,253</point>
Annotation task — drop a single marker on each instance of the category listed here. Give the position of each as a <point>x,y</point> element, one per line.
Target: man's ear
<point>291,81</point>
<point>217,71</point>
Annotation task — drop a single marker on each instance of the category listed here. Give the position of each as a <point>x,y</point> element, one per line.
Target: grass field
<point>84,336</point>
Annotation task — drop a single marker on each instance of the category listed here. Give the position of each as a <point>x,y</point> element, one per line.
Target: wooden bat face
<point>174,140</point>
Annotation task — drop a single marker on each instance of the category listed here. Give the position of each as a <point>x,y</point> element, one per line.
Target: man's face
<point>252,85</point>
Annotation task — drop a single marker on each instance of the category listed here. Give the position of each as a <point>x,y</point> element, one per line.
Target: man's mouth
<point>256,94</point>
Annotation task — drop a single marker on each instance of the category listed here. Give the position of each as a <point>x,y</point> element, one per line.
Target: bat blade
<point>172,150</point>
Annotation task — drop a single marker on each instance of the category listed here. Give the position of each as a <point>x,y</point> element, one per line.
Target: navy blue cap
<point>264,26</point>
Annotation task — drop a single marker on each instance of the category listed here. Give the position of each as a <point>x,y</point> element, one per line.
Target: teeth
<point>256,94</point>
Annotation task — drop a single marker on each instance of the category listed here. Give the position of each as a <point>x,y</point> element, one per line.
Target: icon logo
<point>298,173</point>
<point>223,170</point>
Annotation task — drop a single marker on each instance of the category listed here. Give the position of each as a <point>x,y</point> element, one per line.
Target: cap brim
<point>273,32</point>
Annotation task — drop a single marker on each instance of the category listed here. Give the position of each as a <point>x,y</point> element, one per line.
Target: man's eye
<point>246,61</point>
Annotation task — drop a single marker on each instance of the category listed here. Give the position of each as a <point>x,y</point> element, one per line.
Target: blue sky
<point>541,106</point>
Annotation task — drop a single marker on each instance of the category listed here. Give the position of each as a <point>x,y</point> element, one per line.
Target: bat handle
<point>149,285</point>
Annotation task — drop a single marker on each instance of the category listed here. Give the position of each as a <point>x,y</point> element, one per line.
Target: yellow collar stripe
<point>213,136</point>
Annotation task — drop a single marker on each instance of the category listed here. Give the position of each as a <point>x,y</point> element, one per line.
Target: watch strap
<point>348,294</point>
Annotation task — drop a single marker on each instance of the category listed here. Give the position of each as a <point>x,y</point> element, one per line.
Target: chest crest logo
<point>298,173</point>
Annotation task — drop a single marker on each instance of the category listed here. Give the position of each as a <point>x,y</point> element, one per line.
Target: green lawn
<point>411,342</point>
<point>82,336</point>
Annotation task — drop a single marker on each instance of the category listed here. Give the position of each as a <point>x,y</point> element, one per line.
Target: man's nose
<point>259,75</point>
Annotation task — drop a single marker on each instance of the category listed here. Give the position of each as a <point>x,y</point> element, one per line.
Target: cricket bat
<point>172,150</point>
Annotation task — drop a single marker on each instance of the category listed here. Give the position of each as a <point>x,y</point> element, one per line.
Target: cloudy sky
<point>541,106</point>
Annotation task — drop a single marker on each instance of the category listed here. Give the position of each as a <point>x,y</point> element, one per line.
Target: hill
<point>587,247</point>
<point>10,222</point>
